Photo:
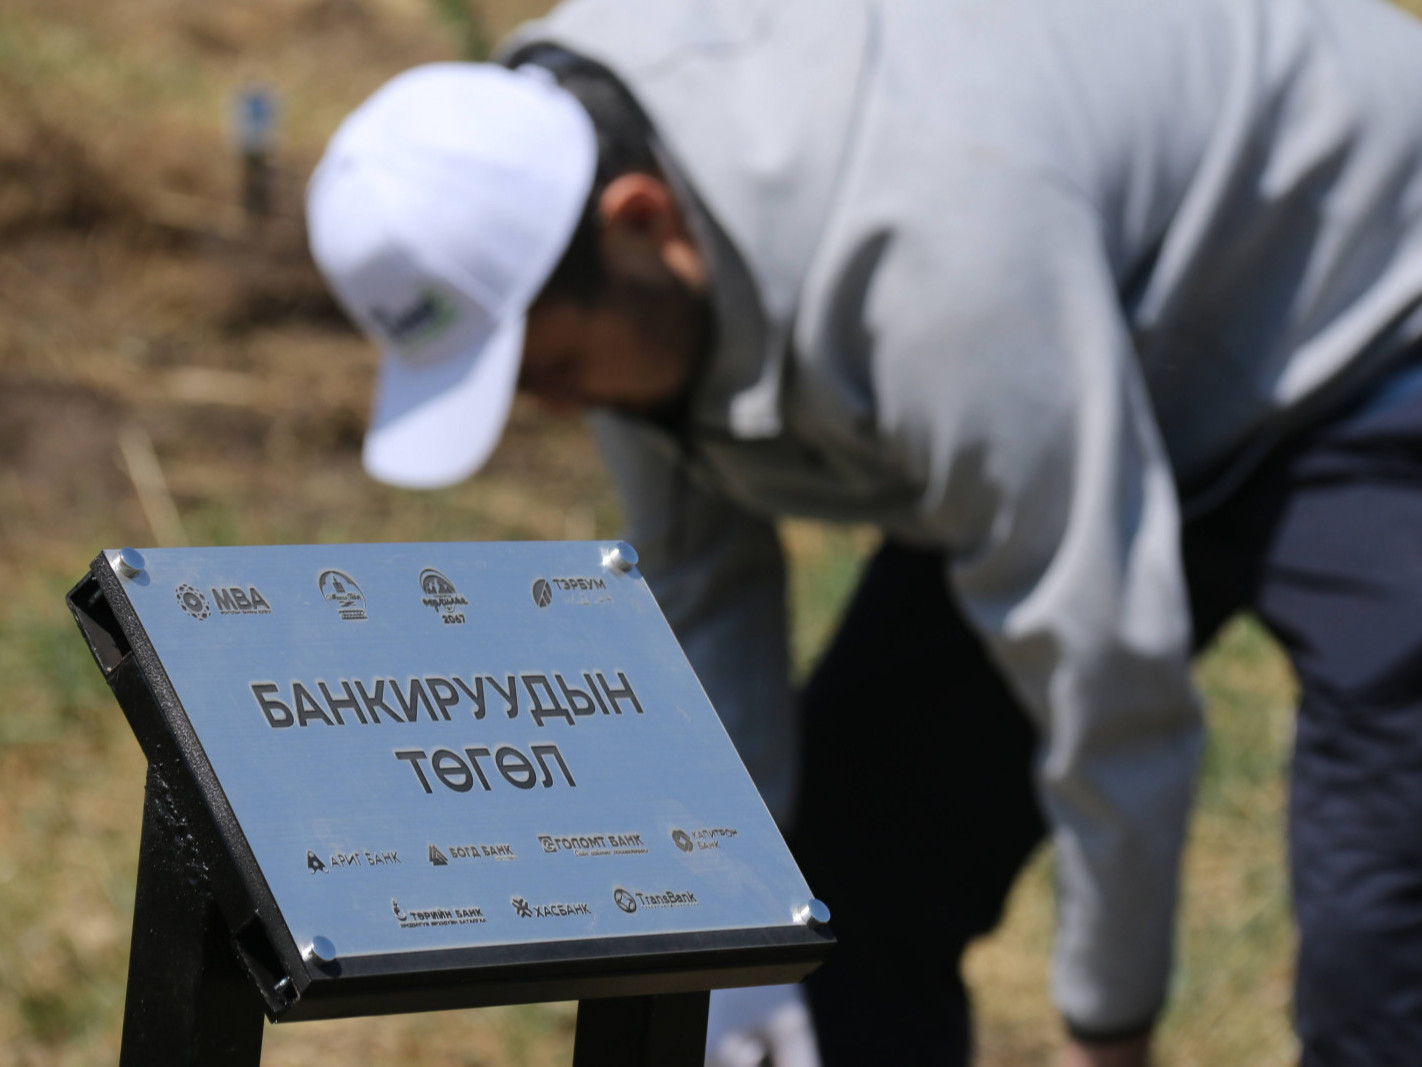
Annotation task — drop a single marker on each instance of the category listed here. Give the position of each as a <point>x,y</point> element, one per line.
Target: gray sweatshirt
<point>1015,278</point>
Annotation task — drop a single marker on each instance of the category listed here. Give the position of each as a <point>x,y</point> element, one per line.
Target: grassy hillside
<point>172,371</point>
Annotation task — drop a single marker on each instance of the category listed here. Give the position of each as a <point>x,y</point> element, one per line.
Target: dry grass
<point>133,293</point>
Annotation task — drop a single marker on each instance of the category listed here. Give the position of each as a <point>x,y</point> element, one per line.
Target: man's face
<point>635,348</point>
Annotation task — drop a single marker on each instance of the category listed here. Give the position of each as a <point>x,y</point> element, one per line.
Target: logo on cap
<point>426,318</point>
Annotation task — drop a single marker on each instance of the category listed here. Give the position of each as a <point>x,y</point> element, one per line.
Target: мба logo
<point>230,600</point>
<point>341,590</point>
<point>441,596</point>
<point>191,600</point>
<point>235,600</point>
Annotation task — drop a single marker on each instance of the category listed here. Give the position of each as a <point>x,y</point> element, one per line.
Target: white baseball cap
<point>439,210</point>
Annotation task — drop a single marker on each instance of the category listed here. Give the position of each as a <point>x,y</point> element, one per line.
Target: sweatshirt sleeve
<point>718,574</point>
<point>1006,377</point>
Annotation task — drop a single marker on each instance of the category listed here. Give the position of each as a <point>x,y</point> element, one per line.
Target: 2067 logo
<point>441,596</point>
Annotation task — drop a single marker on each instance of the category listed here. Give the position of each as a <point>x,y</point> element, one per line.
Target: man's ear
<point>644,235</point>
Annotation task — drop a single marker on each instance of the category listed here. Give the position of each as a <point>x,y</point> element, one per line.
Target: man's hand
<point>1133,1052</point>
<point>766,1024</point>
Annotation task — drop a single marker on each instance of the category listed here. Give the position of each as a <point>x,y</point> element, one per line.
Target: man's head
<point>485,226</point>
<point>634,338</point>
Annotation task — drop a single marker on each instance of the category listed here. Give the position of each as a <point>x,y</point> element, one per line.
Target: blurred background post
<point>254,136</point>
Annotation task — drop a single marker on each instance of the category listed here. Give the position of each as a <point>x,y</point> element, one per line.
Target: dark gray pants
<point>918,808</point>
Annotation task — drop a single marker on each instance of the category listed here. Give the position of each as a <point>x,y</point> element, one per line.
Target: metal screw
<point>620,557</point>
<point>321,950</point>
<point>129,562</point>
<point>813,913</point>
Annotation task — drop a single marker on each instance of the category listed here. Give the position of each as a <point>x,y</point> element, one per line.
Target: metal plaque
<point>433,746</point>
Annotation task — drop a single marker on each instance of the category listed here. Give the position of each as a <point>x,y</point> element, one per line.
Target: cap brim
<point>436,425</point>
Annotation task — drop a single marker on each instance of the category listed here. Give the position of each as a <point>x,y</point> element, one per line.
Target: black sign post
<point>213,948</point>
<point>189,998</point>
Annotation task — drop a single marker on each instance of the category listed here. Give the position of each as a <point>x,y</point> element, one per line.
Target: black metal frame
<point>207,929</point>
